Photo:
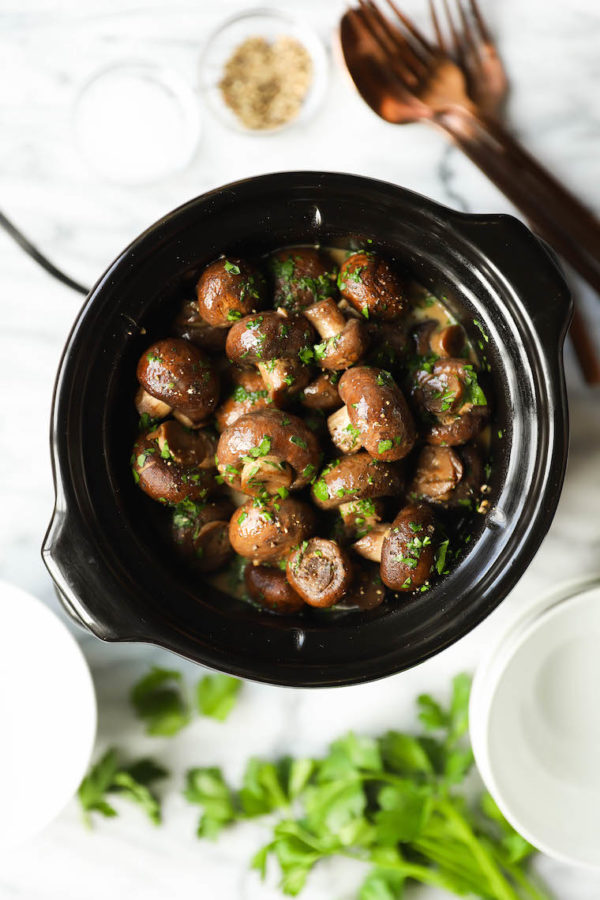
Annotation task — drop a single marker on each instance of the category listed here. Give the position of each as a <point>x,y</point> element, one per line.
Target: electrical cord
<point>35,254</point>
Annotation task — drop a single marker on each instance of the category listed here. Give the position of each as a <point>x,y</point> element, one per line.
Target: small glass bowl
<point>269,24</point>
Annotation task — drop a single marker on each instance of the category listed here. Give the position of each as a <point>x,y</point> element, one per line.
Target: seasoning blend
<point>265,83</point>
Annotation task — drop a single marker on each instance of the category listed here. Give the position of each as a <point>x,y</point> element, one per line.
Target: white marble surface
<point>46,51</point>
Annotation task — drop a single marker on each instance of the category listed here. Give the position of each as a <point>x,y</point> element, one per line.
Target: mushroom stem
<point>343,433</point>
<point>326,317</point>
<point>370,545</point>
<point>185,420</point>
<point>197,449</point>
<point>269,472</point>
<point>148,405</point>
<point>283,377</point>
<point>320,572</point>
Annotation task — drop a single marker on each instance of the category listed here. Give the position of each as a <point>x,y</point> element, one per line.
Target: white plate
<point>47,716</point>
<point>535,725</point>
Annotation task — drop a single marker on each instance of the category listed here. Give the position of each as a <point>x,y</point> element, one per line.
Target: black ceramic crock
<point>102,549</point>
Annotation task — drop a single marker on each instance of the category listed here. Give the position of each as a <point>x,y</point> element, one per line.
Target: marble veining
<point>47,51</point>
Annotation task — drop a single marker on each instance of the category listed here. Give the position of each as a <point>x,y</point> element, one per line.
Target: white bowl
<point>48,716</point>
<point>535,724</point>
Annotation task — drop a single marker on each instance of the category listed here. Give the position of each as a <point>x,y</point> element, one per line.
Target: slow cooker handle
<point>89,591</point>
<point>528,267</point>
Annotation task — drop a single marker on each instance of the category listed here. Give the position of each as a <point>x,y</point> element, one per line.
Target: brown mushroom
<point>357,477</point>
<point>375,416</point>
<point>371,285</point>
<point>185,447</point>
<point>345,341</point>
<point>201,532</point>
<point>279,344</point>
<point>408,550</point>
<point>190,325</point>
<point>439,471</point>
<point>229,289</point>
<point>268,532</point>
<point>388,345</point>
<point>248,394</point>
<point>267,451</point>
<point>451,393</point>
<point>163,478</point>
<point>149,407</point>
<point>180,375</point>
<point>445,341</point>
<point>301,275</point>
<point>359,517</point>
<point>320,571</point>
<point>269,587</point>
<point>322,393</point>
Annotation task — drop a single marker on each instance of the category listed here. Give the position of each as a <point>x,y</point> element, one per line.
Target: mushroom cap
<point>372,286</point>
<point>269,335</point>
<point>408,550</point>
<point>321,393</point>
<point>229,289</point>
<point>273,433</point>
<point>439,471</point>
<point>460,429</point>
<point>248,394</point>
<point>269,531</point>
<point>269,587</point>
<point>181,375</point>
<point>356,477</point>
<point>301,276</point>
<point>189,325</point>
<point>378,410</point>
<point>165,480</point>
<point>344,349</point>
<point>201,532</point>
<point>320,571</point>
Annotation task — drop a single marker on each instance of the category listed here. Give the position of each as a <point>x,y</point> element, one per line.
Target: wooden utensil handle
<point>550,208</point>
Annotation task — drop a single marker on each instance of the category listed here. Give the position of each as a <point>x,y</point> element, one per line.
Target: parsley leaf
<point>158,700</point>
<point>109,776</point>
<point>216,695</point>
<point>232,268</point>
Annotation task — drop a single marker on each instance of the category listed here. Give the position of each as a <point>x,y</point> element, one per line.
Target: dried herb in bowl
<point>264,83</point>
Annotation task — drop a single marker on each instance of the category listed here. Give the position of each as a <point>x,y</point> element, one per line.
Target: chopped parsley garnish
<point>478,324</point>
<point>320,491</point>
<point>242,516</point>
<point>384,446</point>
<point>232,268</point>
<point>234,315</point>
<point>300,442</point>
<point>153,357</point>
<point>306,355</point>
<point>440,556</point>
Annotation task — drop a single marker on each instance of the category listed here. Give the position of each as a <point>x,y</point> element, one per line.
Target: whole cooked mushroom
<point>375,416</point>
<point>201,532</point>
<point>248,394</point>
<point>190,325</point>
<point>180,376</point>
<point>322,393</point>
<point>356,477</point>
<point>345,341</point>
<point>320,571</point>
<point>447,476</point>
<point>301,276</point>
<point>268,586</point>
<point>268,451</point>
<point>229,289</point>
<point>279,344</point>
<point>450,392</point>
<point>268,532</point>
<point>405,548</point>
<point>372,286</point>
<point>408,550</point>
<point>444,341</point>
<point>166,478</point>
<point>187,448</point>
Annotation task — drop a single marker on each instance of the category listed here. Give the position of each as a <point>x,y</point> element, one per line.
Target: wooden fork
<point>424,82</point>
<point>473,48</point>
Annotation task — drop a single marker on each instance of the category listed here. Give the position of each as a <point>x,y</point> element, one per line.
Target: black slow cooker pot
<point>102,549</point>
